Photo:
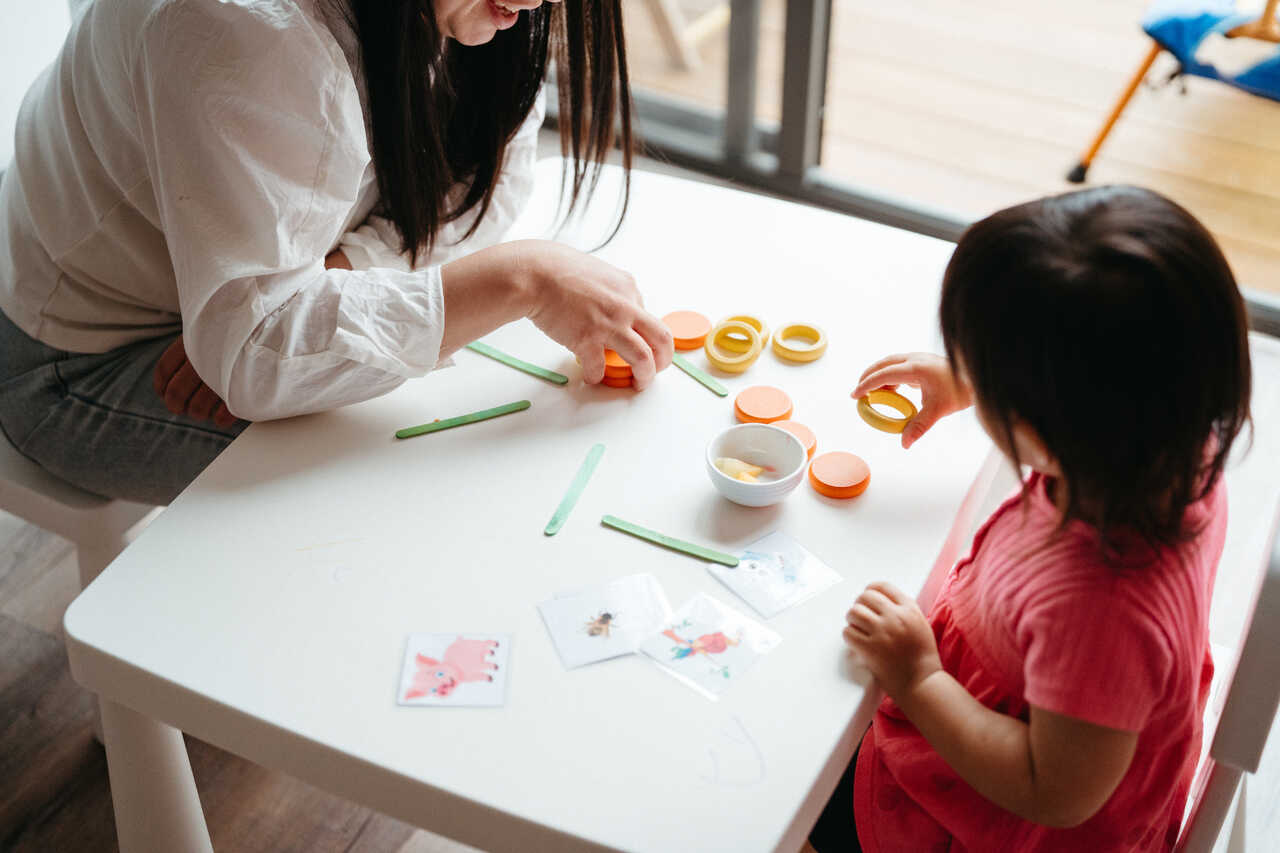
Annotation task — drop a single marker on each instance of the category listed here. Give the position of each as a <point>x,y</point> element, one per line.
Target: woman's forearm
<point>485,290</point>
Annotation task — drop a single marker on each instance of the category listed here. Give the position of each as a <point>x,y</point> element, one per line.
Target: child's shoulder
<point>1068,575</point>
<point>1033,551</point>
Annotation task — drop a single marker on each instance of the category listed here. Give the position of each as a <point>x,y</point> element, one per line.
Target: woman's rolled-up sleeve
<point>255,149</point>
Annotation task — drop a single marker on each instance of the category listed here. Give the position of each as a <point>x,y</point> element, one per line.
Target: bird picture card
<point>605,621</point>
<point>709,645</point>
<point>455,669</point>
<point>775,573</point>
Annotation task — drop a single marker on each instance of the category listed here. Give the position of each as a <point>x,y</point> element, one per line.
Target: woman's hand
<point>578,300</point>
<point>182,390</point>
<point>891,633</point>
<point>590,306</point>
<point>941,391</point>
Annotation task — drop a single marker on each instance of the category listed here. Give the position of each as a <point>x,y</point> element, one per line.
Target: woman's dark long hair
<point>441,113</point>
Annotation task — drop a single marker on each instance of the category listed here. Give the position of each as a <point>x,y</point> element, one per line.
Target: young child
<point>1052,698</point>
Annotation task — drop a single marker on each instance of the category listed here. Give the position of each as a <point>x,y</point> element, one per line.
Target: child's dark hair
<point>1108,321</point>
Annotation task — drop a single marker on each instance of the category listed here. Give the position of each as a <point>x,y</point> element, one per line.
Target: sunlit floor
<point>969,107</point>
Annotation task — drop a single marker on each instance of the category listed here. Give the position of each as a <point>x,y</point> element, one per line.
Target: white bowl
<point>758,444</point>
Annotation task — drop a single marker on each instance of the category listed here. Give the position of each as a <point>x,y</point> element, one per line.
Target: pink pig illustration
<point>464,660</point>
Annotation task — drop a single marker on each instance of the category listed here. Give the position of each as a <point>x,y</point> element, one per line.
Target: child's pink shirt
<point>1028,619</point>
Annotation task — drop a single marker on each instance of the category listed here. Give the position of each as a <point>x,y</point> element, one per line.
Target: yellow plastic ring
<point>893,400</point>
<point>737,344</point>
<point>811,352</point>
<point>735,363</point>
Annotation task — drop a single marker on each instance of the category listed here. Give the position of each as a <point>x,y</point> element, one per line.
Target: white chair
<point>1244,718</point>
<point>97,526</point>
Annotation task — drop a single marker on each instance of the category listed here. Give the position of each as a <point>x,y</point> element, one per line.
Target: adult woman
<point>301,188</point>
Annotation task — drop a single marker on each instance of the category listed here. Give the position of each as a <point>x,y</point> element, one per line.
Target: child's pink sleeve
<point>1094,654</point>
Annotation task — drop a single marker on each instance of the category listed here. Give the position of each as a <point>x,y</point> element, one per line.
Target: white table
<point>266,610</point>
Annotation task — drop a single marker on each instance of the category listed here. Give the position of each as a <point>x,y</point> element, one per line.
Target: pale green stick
<point>705,378</point>
<point>575,491</point>
<point>670,541</point>
<point>460,420</point>
<point>512,361</point>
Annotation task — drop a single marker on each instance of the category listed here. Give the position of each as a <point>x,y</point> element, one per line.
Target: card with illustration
<point>605,621</point>
<point>455,669</point>
<point>709,645</point>
<point>775,573</point>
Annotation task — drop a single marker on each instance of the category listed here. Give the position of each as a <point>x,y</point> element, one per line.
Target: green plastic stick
<point>460,420</point>
<point>575,491</point>
<point>669,541</point>
<point>703,377</point>
<point>512,361</point>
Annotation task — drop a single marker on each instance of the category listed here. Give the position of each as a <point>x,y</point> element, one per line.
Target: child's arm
<point>1056,770</point>
<point>941,391</point>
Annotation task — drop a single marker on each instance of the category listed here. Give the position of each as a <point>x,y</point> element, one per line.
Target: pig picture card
<point>709,645</point>
<point>775,573</point>
<point>605,621</point>
<point>455,669</point>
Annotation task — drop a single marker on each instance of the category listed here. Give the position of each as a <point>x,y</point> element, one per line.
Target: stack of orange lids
<point>802,432</point>
<point>688,328</point>
<point>839,475</point>
<point>762,404</point>
<point>617,373</point>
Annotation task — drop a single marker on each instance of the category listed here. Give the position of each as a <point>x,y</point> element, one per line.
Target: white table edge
<point>313,762</point>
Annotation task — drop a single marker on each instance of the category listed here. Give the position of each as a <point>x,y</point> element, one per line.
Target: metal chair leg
<point>1077,174</point>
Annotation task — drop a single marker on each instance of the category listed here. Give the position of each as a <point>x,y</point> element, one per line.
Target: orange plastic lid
<point>839,475</point>
<point>615,367</point>
<point>617,381</point>
<point>688,328</point>
<point>762,404</point>
<point>802,432</point>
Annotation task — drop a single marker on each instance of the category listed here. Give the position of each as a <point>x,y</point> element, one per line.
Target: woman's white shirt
<point>192,162</point>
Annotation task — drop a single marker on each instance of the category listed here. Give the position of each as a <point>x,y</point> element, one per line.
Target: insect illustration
<point>599,626</point>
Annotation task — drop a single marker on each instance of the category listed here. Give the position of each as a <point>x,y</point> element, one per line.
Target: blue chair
<point>1180,27</point>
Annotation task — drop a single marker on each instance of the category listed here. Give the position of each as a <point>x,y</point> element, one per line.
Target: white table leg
<point>154,794</point>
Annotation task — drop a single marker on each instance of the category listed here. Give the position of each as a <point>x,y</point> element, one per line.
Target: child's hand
<point>890,632</point>
<point>941,393</point>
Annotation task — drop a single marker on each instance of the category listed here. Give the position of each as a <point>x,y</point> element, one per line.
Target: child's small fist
<point>890,632</point>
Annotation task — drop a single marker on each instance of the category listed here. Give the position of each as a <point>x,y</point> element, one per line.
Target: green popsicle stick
<point>670,541</point>
<point>512,361</point>
<point>703,377</point>
<point>575,491</point>
<point>460,420</point>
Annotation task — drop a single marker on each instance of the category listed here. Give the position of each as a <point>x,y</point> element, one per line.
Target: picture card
<point>455,669</point>
<point>605,621</point>
<point>709,645</point>
<point>775,573</point>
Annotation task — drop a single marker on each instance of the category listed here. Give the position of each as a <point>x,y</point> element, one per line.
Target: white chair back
<point>1244,721</point>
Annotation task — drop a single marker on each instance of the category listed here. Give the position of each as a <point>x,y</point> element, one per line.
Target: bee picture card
<point>605,621</point>
<point>775,573</point>
<point>455,669</point>
<point>709,645</point>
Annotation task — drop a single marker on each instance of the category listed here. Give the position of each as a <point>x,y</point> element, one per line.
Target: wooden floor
<point>969,107</point>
